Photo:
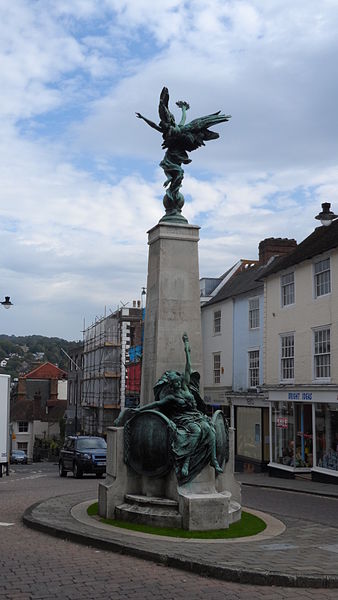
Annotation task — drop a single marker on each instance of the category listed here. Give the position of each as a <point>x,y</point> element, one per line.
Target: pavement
<point>289,553</point>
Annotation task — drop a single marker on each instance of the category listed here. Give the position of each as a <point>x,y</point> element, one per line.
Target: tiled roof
<point>321,240</point>
<point>242,282</point>
<point>46,371</point>
<point>25,410</point>
<point>22,411</point>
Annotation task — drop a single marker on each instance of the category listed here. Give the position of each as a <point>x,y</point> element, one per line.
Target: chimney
<point>37,406</point>
<point>275,247</point>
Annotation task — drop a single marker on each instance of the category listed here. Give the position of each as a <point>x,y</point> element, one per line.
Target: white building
<point>301,357</point>
<point>233,334</point>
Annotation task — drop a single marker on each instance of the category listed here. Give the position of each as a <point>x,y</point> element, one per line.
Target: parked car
<point>19,457</point>
<point>83,454</point>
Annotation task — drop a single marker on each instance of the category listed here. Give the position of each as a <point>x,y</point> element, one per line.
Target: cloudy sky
<point>80,181</point>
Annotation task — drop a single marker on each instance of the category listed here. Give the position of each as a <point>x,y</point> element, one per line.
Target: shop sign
<point>282,422</point>
<point>300,396</point>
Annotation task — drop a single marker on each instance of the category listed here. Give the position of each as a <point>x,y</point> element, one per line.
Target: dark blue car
<point>83,454</point>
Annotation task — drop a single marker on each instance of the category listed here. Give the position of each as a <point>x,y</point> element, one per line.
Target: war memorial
<point>168,463</point>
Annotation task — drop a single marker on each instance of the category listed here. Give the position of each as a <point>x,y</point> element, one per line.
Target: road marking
<point>6,524</point>
<point>30,477</point>
<point>15,479</point>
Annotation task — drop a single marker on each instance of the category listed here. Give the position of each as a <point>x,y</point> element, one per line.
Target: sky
<point>80,178</point>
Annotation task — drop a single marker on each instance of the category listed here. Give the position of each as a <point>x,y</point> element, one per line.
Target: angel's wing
<point>196,132</point>
<point>202,123</point>
<point>167,118</point>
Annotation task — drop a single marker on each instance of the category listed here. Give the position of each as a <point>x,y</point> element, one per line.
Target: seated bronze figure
<point>177,396</point>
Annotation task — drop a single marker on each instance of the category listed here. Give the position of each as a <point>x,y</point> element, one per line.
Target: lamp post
<point>326,216</point>
<point>6,303</point>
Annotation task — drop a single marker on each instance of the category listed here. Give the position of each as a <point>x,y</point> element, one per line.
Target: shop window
<point>292,434</point>
<point>23,427</point>
<point>322,354</point>
<point>217,368</point>
<point>283,433</point>
<point>304,456</point>
<point>327,436</point>
<point>248,432</point>
<point>287,356</point>
<point>322,278</point>
<point>217,321</point>
<point>288,289</point>
<point>253,368</point>
<point>254,313</point>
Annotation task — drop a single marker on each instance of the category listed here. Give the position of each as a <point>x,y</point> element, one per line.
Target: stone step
<point>234,511</point>
<point>151,500</point>
<point>167,516</point>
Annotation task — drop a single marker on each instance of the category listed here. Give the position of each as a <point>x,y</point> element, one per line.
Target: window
<point>327,436</point>
<point>287,356</point>
<point>288,289</point>
<point>322,356</point>
<point>217,321</point>
<point>253,368</point>
<point>253,313</point>
<point>283,437</point>
<point>23,426</point>
<point>23,446</point>
<point>217,368</point>
<point>322,278</point>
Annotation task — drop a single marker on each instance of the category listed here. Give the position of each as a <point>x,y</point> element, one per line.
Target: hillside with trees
<point>23,353</point>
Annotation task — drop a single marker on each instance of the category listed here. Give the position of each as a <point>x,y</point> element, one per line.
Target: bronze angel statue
<point>194,443</point>
<point>178,140</point>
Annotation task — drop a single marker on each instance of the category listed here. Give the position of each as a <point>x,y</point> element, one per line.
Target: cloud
<point>80,178</point>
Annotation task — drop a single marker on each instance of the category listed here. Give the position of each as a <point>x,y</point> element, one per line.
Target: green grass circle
<point>247,526</point>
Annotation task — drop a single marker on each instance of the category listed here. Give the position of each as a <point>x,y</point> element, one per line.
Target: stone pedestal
<point>207,502</point>
<point>173,303</point>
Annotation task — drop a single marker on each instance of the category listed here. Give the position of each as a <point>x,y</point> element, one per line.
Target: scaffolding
<point>105,352</point>
<point>101,374</point>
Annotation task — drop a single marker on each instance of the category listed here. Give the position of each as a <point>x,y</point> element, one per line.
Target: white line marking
<point>6,524</point>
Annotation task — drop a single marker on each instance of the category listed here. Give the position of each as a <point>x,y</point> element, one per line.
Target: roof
<point>46,371</point>
<point>22,411</point>
<point>25,410</point>
<point>321,240</point>
<point>242,282</point>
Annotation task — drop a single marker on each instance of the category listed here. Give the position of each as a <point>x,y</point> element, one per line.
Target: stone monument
<point>168,463</point>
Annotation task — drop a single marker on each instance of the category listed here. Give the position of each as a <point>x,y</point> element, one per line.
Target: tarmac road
<point>292,504</point>
<point>36,566</point>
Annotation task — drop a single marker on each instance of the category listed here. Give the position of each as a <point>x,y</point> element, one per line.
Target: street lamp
<point>143,297</point>
<point>326,216</point>
<point>6,303</point>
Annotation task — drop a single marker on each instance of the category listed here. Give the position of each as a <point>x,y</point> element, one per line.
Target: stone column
<point>173,303</point>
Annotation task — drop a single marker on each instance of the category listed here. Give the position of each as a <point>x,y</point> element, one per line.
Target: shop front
<point>304,433</point>
<point>217,399</point>
<point>250,416</point>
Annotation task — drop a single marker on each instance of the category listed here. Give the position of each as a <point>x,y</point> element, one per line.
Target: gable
<point>46,371</point>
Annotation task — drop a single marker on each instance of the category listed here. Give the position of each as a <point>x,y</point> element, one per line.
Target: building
<point>38,404</point>
<point>75,374</point>
<point>233,335</point>
<point>134,363</point>
<point>301,357</point>
<point>104,383</point>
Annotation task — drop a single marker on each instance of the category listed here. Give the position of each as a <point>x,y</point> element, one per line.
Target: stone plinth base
<point>207,502</point>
